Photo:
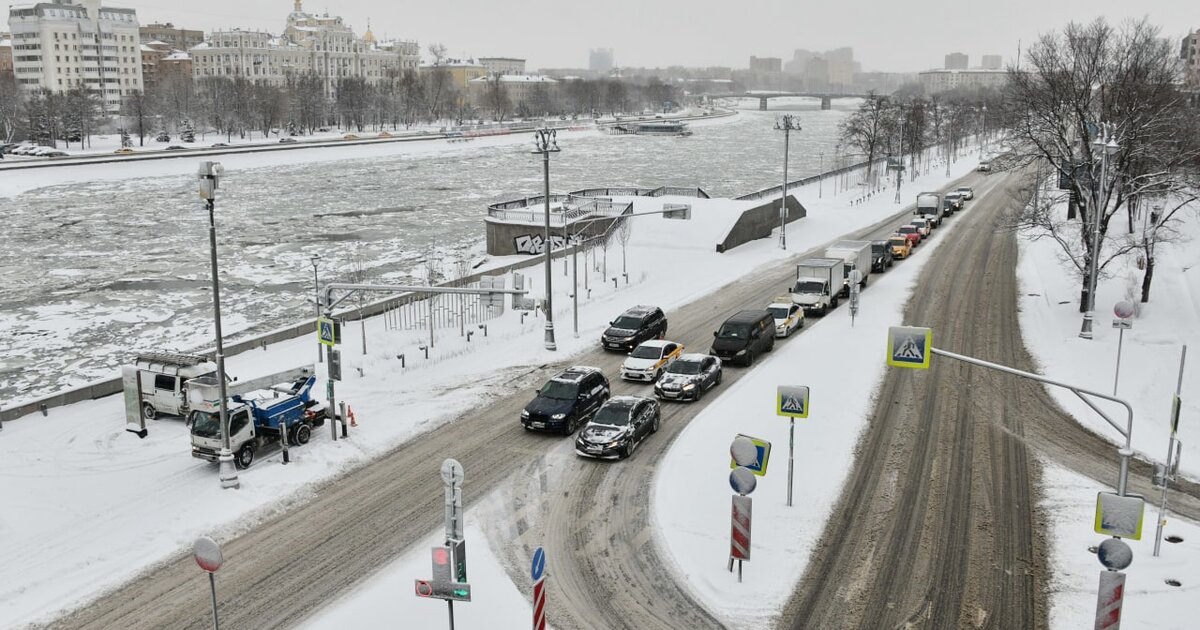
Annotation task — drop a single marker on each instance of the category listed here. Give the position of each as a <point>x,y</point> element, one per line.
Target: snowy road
<point>939,525</point>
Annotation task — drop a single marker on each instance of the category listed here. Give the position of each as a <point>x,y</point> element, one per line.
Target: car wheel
<point>654,427</point>
<point>303,434</point>
<point>720,375</point>
<point>148,411</point>
<point>569,427</point>
<point>245,455</point>
<point>627,450</point>
<point>749,359</point>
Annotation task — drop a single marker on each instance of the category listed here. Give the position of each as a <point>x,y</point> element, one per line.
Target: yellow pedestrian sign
<point>762,455</point>
<point>909,347</point>
<point>791,401</point>
<point>326,332</point>
<point>1118,515</point>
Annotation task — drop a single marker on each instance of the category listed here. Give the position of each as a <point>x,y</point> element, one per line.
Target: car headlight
<point>689,387</point>
<point>524,414</point>
<point>741,352</point>
<point>558,416</point>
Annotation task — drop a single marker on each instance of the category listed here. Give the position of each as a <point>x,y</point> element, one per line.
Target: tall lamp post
<point>982,129</point>
<point>787,123</point>
<point>546,143</point>
<point>210,174</point>
<point>1106,144</point>
<point>317,301</point>
<point>820,174</point>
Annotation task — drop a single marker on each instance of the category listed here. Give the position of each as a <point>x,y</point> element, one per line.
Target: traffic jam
<point>578,402</point>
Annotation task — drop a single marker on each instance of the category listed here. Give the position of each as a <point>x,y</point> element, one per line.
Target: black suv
<point>638,324</point>
<point>566,400</point>
<point>881,256</point>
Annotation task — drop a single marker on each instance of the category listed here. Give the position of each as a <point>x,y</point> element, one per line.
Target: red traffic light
<point>424,589</point>
<point>441,556</point>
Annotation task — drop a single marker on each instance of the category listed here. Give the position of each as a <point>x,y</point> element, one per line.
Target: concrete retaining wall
<point>759,221</point>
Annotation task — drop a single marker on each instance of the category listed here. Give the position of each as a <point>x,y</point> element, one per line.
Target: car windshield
<point>779,312</point>
<point>878,248</point>
<point>898,242</point>
<point>625,321</point>
<point>612,415</point>
<point>559,390</point>
<point>646,352</point>
<point>684,367</point>
<point>206,425</point>
<point>734,331</point>
<point>908,229</point>
<point>809,286</point>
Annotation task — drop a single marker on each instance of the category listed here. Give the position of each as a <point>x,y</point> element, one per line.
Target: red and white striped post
<point>739,540</point>
<point>1108,604</point>
<point>539,589</point>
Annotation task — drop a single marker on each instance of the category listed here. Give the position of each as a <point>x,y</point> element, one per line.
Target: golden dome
<point>369,37</point>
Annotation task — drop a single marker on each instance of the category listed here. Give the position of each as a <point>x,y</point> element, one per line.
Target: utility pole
<point>210,175</point>
<point>317,301</point>
<point>1106,144</point>
<point>546,143</point>
<point>787,123</point>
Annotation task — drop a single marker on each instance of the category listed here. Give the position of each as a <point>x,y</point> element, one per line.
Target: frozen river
<point>104,260</point>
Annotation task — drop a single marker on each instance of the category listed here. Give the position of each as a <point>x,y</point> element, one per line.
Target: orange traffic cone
<point>350,412</point>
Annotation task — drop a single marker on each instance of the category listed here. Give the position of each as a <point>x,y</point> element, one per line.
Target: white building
<point>935,81</point>
<point>318,44</point>
<point>502,65</point>
<point>64,44</point>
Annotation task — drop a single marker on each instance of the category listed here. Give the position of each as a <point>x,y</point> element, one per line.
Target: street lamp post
<point>317,300</point>
<point>982,129</point>
<point>210,174</point>
<point>546,143</point>
<point>787,123</point>
<point>1106,144</point>
<point>820,174</point>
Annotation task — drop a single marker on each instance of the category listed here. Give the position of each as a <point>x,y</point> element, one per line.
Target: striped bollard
<point>539,589</point>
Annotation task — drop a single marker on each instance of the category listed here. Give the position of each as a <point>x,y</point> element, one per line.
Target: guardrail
<point>775,190</point>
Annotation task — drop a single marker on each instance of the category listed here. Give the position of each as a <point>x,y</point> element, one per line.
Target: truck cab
<point>256,418</point>
<point>818,284</point>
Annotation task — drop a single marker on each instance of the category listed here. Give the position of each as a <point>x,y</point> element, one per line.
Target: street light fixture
<point>1106,145</point>
<point>546,142</point>
<point>210,174</point>
<point>787,123</point>
<point>317,301</point>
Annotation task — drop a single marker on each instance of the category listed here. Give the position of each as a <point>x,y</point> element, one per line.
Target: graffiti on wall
<point>536,243</point>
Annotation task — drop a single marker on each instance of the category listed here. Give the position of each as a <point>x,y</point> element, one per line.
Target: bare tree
<point>624,233</point>
<point>867,129</point>
<point>11,102</point>
<point>1089,74</point>
<point>495,97</point>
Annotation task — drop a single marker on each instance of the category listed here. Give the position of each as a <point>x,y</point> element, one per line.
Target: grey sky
<point>896,35</point>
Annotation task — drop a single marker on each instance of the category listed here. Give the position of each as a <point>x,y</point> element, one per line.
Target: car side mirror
<point>714,333</point>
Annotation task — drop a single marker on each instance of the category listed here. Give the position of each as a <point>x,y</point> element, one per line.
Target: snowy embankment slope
<point>143,501</point>
<point>1150,353</point>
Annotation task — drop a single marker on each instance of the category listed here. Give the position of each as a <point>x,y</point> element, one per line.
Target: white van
<point>157,381</point>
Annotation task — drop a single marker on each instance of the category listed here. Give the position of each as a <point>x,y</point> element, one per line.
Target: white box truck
<point>856,255</point>
<point>818,281</point>
<point>929,205</point>
<point>156,384</point>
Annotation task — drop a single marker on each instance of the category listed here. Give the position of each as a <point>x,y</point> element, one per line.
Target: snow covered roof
<point>157,42</point>
<point>201,46</point>
<point>5,42</point>
<point>177,55</point>
<point>147,48</point>
<point>518,78</point>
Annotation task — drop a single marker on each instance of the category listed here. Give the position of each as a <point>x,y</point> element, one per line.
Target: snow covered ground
<point>68,471</point>
<point>1050,322</point>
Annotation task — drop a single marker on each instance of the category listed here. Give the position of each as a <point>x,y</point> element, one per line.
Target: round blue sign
<point>742,480</point>
<point>539,564</point>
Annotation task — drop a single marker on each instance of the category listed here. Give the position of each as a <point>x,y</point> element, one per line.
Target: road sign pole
<point>1174,418</point>
<point>1110,600</point>
<point>212,584</point>
<point>791,457</point>
<point>1117,372</point>
<point>537,572</point>
<point>450,603</point>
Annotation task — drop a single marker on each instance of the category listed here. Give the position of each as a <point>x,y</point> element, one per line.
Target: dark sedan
<point>563,403</point>
<point>688,377</point>
<point>617,429</point>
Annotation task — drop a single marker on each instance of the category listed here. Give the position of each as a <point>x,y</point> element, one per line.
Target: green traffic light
<point>461,592</point>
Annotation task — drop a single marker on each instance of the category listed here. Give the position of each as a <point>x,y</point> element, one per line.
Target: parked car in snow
<point>788,316</point>
<point>618,427</point>
<point>647,361</point>
<point>689,377</point>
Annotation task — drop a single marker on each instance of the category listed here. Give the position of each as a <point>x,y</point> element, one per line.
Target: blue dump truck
<point>257,418</point>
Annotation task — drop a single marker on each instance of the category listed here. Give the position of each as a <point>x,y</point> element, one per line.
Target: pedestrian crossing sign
<point>909,347</point>
<point>791,401</point>
<point>326,332</point>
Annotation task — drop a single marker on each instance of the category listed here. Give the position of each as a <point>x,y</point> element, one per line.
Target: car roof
<point>574,374</point>
<point>780,305</point>
<point>747,317</point>
<point>640,310</point>
<point>625,401</point>
<point>658,343</point>
<point>694,356</point>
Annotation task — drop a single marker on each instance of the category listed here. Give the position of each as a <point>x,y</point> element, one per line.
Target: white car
<point>966,191</point>
<point>24,149</point>
<point>923,227</point>
<point>648,360</point>
<point>788,317</point>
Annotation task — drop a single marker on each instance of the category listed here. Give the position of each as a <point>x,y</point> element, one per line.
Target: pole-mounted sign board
<point>909,347</point>
<point>791,401</point>
<point>1118,515</point>
<point>329,331</point>
<point>757,463</point>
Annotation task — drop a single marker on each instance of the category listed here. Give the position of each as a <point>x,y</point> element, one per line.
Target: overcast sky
<point>894,35</point>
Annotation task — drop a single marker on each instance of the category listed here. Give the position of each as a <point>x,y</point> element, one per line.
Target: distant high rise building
<point>991,62</point>
<point>6,60</point>
<point>68,44</point>
<point>935,81</point>
<point>956,61</point>
<point>177,38</point>
<point>1190,53</point>
<point>766,64</point>
<point>601,60</point>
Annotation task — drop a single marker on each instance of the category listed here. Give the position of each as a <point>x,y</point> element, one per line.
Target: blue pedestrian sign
<point>539,564</point>
<point>909,347</point>
<point>762,458</point>
<point>791,401</point>
<point>326,332</point>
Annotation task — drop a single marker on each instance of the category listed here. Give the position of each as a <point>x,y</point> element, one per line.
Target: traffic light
<point>460,560</point>
<point>335,364</point>
<point>441,564</point>
<point>453,591</point>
